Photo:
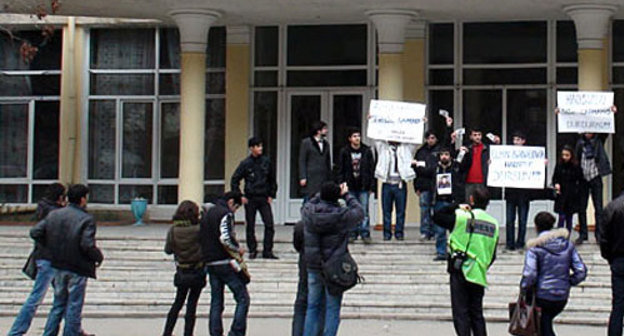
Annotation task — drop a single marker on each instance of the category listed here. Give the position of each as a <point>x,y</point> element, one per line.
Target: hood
<point>554,241</point>
<point>322,217</point>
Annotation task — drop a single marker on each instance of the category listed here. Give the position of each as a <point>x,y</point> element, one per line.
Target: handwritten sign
<point>396,121</point>
<point>517,167</point>
<point>585,112</point>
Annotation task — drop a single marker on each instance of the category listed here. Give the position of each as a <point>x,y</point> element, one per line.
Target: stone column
<point>391,25</point>
<point>193,25</point>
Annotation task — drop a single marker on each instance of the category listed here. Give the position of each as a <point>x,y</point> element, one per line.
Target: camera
<point>457,260</point>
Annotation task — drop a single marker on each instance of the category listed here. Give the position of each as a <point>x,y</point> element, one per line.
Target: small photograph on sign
<point>444,184</point>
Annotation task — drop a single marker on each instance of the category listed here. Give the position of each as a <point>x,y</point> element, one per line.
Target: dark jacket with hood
<point>326,228</point>
<point>600,155</point>
<point>548,263</point>
<point>569,176</point>
<point>425,176</point>
<point>259,176</point>
<point>366,180</point>
<point>612,230</point>
<point>314,165</point>
<point>183,243</point>
<point>44,207</point>
<point>457,182</point>
<point>69,234</point>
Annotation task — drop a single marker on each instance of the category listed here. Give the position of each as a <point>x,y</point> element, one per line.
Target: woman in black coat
<point>567,179</point>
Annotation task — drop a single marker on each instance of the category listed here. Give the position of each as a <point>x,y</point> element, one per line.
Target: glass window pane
<point>486,43</point>
<point>347,111</point>
<point>170,140</point>
<point>137,140</point>
<point>327,45</point>
<point>441,77</point>
<point>265,122</point>
<point>13,140</point>
<point>212,192</point>
<point>305,110</point>
<point>122,49</point>
<point>30,85</point>
<point>526,112</point>
<point>167,194</point>
<point>13,193</point>
<point>48,55</point>
<point>618,41</point>
<point>618,75</point>
<point>265,79</point>
<point>439,100</point>
<point>38,192</point>
<point>215,53</point>
<point>46,138</point>
<point>102,128</point>
<point>122,84</point>
<point>102,193</point>
<point>214,147</point>
<point>482,109</point>
<point>129,192</point>
<point>567,75</point>
<point>566,42</point>
<point>266,46</point>
<point>504,76</point>
<point>169,84</point>
<point>327,78</point>
<point>215,83</point>
<point>170,48</point>
<point>441,43</point>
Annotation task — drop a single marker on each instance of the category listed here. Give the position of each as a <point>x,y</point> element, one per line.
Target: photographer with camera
<point>472,247</point>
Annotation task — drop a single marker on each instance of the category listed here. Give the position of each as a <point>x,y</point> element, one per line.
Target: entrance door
<point>339,109</point>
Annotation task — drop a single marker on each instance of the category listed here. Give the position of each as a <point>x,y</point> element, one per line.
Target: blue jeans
<point>440,232</point>
<point>426,223</point>
<point>45,273</point>
<point>392,194</point>
<point>316,292</point>
<point>220,276</point>
<point>522,207</point>
<point>363,230</point>
<point>69,295</point>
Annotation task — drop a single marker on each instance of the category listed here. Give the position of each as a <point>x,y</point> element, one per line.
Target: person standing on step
<point>314,161</point>
<point>476,160</point>
<point>567,180</point>
<point>69,234</point>
<point>190,278</point>
<point>260,190</point>
<point>517,201</point>
<point>356,168</point>
<point>472,244</point>
<point>426,161</point>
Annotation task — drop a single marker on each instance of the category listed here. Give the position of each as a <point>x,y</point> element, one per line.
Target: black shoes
<point>440,257</point>
<point>253,254</point>
<point>269,256</point>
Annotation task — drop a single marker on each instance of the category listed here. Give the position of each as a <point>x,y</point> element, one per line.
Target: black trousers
<point>191,308</point>
<point>550,310</point>
<point>253,205</point>
<point>617,299</point>
<point>587,188</point>
<point>467,306</point>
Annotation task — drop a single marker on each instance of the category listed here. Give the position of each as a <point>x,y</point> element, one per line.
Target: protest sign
<point>517,167</point>
<point>585,112</point>
<point>396,121</point>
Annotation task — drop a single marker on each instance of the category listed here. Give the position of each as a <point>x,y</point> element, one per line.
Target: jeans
<point>363,230</point>
<point>522,207</point>
<point>259,204</point>
<point>191,308</point>
<point>467,306</point>
<point>565,220</point>
<point>316,292</point>
<point>45,273</point>
<point>426,223</point>
<point>440,232</point>
<point>220,276</point>
<point>593,187</point>
<point>617,297</point>
<point>69,295</point>
<point>550,310</point>
<point>301,302</point>
<point>393,194</point>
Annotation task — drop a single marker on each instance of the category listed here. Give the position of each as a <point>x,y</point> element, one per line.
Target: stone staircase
<point>402,282</point>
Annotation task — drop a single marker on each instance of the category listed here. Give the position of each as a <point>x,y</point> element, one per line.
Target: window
<point>498,43</point>
<point>134,114</point>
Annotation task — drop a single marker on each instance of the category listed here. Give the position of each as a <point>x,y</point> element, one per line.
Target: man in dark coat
<point>314,161</point>
<point>69,234</point>
<point>260,189</point>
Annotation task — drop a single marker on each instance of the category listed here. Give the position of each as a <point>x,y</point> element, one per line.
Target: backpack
<point>340,272</point>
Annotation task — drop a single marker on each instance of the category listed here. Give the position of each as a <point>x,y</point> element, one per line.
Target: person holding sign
<point>517,200</point>
<point>476,158</point>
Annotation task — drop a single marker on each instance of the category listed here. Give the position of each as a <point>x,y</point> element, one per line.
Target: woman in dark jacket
<point>183,243</point>
<point>547,266</point>
<point>567,179</point>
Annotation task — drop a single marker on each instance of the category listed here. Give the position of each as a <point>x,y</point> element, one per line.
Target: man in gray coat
<point>314,161</point>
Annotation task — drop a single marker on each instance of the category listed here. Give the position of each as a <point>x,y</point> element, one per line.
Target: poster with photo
<point>444,184</point>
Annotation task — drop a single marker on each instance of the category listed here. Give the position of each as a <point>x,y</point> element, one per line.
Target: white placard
<point>396,121</point>
<point>585,112</point>
<point>517,167</point>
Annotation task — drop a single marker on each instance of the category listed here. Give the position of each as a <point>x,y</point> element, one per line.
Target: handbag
<point>189,277</point>
<point>30,267</point>
<point>340,272</point>
<point>524,317</point>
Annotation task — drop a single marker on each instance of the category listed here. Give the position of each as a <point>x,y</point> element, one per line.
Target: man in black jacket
<point>326,230</point>
<point>314,161</point>
<point>612,249</point>
<point>260,189</point>
<point>426,160</point>
<point>69,234</point>
<point>356,167</point>
<point>222,255</point>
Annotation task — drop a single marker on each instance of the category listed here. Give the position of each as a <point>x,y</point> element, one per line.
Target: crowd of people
<point>448,176</point>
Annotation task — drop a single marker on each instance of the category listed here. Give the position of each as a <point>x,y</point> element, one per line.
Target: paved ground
<point>281,327</point>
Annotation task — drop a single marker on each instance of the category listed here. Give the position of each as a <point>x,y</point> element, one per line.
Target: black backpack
<point>340,271</point>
